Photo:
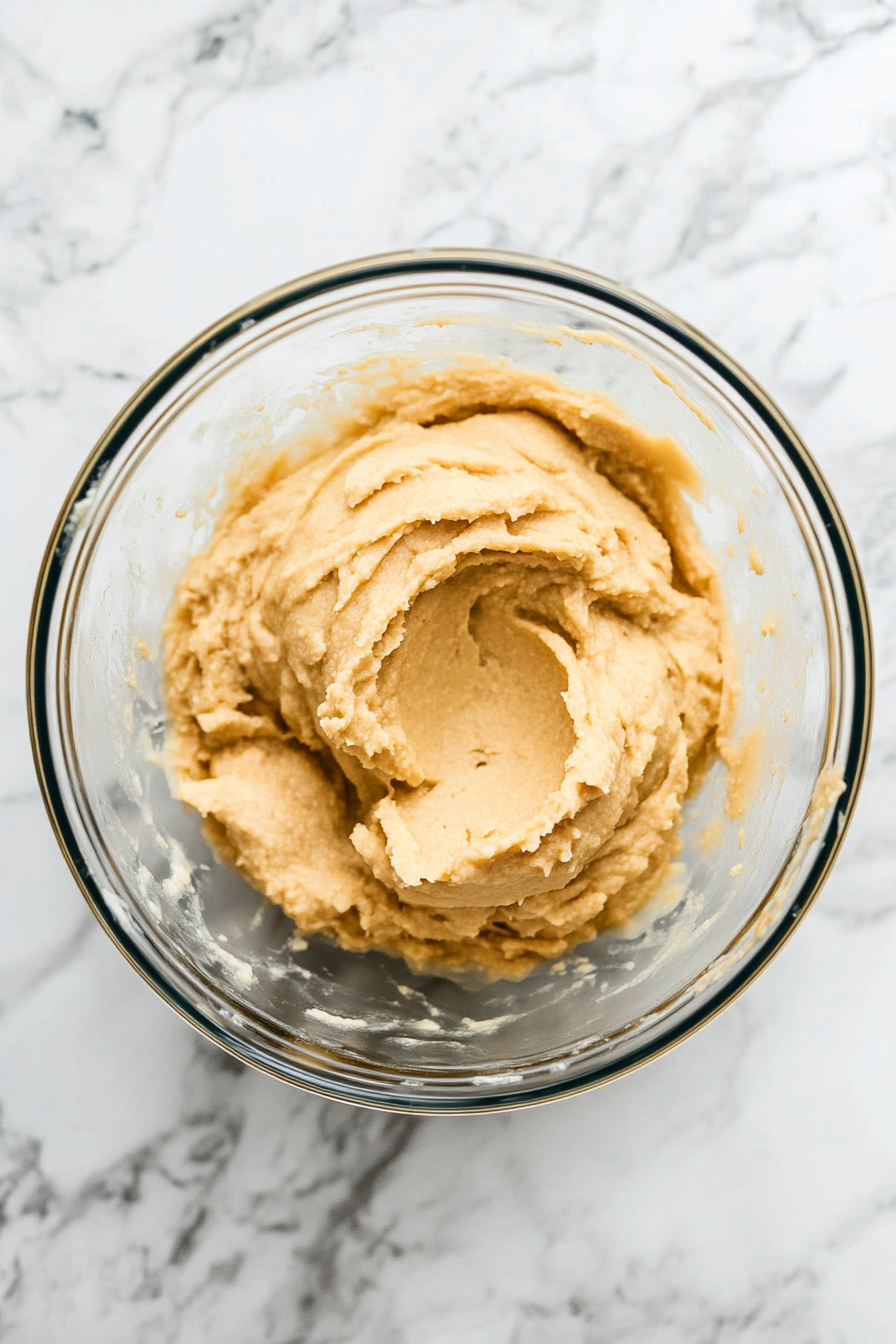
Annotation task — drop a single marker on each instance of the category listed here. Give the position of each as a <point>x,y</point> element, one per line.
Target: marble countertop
<point>161,163</point>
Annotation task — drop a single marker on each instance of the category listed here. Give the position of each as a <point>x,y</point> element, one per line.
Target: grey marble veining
<point>161,163</point>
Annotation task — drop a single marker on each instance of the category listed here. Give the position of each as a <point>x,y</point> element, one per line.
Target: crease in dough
<point>441,688</point>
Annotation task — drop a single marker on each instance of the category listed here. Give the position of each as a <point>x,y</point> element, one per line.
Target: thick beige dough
<point>442,688</point>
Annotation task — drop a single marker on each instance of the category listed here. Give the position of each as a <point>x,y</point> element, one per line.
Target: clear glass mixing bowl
<point>364,1028</point>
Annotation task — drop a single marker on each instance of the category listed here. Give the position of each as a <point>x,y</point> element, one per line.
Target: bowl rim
<point>485,263</point>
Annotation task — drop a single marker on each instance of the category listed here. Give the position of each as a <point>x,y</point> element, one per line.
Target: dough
<point>441,688</point>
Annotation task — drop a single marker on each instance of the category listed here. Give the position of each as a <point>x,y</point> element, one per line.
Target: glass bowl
<point>364,1028</point>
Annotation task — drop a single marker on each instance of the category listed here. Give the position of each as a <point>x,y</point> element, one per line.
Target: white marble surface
<point>160,163</point>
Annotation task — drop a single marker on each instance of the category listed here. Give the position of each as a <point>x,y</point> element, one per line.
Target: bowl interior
<point>366,1026</point>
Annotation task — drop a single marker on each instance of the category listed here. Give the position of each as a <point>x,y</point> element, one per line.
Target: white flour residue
<point>180,880</point>
<point>487,1024</point>
<point>122,914</point>
<point>81,510</point>
<point>240,971</point>
<point>332,1020</point>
